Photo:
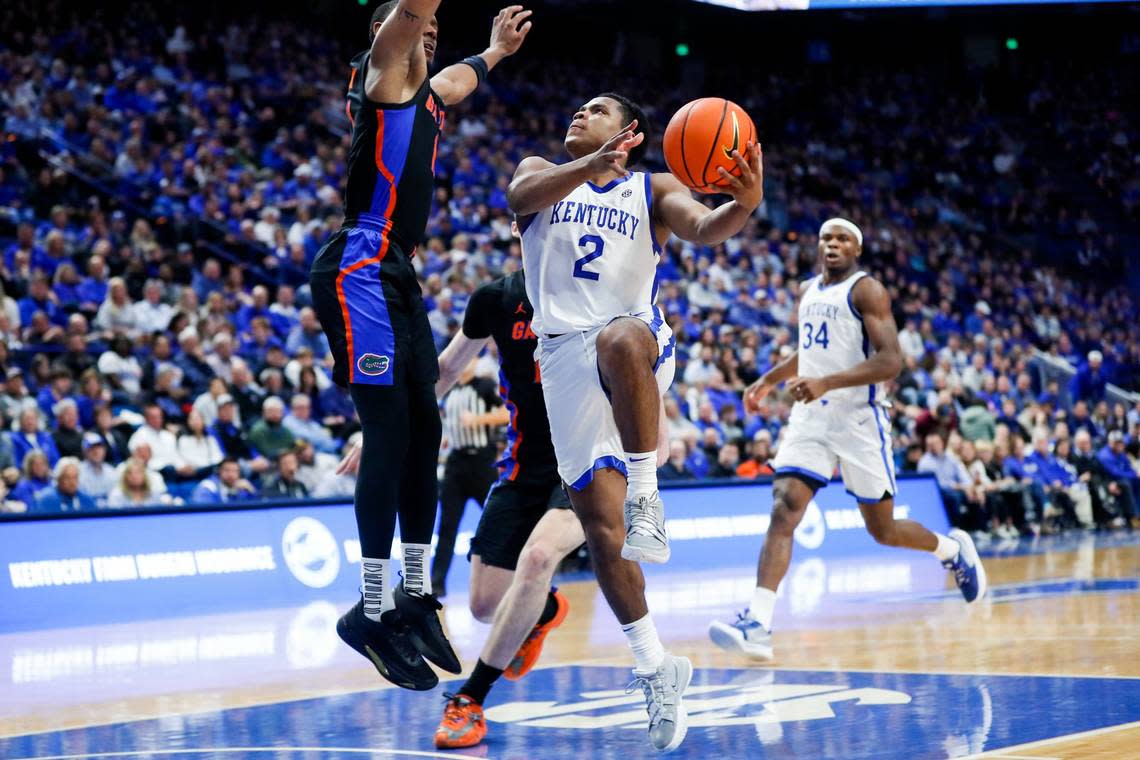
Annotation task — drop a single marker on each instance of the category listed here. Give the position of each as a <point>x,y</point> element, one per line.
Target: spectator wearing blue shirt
<point>301,424</point>
<point>944,322</point>
<point>706,420</point>
<point>256,348</point>
<point>1123,481</point>
<point>697,461</point>
<point>64,496</point>
<point>26,242</point>
<point>35,477</point>
<point>60,388</point>
<point>227,487</point>
<point>260,308</point>
<point>954,482</point>
<point>976,322</point>
<point>1090,382</point>
<point>196,371</point>
<point>1055,480</point>
<point>336,407</point>
<point>29,438</point>
<point>66,286</point>
<point>40,298</point>
<point>96,476</point>
<point>54,253</point>
<point>208,279</point>
<point>92,289</point>
<point>308,334</point>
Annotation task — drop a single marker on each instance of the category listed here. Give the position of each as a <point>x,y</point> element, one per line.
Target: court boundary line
<point>233,750</point>
<point>1005,751</point>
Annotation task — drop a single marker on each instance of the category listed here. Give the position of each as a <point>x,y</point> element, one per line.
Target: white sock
<point>641,474</point>
<point>763,606</point>
<point>376,581</point>
<point>947,547</point>
<point>648,653</point>
<point>416,578</point>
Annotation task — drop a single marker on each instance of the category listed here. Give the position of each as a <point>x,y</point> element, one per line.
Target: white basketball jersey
<point>832,338</point>
<point>591,256</point>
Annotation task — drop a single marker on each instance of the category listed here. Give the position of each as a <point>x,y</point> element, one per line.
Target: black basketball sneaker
<point>420,614</point>
<point>388,646</point>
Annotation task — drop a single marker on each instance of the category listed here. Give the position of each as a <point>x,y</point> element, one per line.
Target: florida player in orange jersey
<point>367,296</point>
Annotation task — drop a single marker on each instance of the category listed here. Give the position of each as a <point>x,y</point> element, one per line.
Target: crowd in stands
<point>162,198</point>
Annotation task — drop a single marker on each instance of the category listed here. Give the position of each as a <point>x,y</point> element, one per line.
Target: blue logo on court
<point>373,365</point>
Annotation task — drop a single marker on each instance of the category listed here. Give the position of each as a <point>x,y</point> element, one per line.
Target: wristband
<point>476,62</point>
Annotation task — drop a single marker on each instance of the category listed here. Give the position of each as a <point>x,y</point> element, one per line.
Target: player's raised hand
<point>509,29</point>
<point>754,394</point>
<point>807,389</point>
<point>748,188</point>
<point>613,154</point>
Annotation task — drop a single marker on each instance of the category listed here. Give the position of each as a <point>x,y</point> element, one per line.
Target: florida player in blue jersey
<point>368,299</point>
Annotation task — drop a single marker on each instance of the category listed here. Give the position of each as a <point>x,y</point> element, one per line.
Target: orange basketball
<point>701,137</point>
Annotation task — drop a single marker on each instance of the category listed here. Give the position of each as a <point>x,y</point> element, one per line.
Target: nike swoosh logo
<point>639,460</point>
<point>735,137</point>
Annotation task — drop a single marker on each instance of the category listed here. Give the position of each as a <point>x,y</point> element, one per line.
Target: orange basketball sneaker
<point>528,653</point>
<point>463,724</point>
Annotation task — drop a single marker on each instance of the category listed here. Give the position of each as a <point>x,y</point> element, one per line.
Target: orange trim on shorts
<point>379,257</point>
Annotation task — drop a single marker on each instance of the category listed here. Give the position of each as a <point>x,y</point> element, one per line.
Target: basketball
<point>700,138</point>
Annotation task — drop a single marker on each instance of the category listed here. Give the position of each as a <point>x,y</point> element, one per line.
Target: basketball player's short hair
<point>631,111</point>
<point>380,15</point>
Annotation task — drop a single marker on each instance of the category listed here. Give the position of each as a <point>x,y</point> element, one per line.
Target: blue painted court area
<point>584,712</point>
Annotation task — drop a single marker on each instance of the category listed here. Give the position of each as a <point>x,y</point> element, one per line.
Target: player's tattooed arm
<point>508,31</point>
<point>397,60</point>
<point>872,301</point>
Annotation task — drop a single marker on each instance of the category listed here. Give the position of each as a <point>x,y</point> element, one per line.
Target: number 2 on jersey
<point>599,247</point>
<point>818,337</point>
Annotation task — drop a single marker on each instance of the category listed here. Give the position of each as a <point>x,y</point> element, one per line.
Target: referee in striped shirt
<point>472,414</point>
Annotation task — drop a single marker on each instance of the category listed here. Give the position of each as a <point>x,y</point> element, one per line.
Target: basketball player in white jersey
<point>592,236</point>
<point>848,348</point>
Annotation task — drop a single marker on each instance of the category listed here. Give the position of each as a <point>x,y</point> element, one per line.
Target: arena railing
<point>1052,368</point>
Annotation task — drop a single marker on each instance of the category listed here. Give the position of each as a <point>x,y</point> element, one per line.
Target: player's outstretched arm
<point>871,300</point>
<point>508,31</point>
<point>397,58</point>
<point>458,354</point>
<point>678,212</point>
<point>539,184</point>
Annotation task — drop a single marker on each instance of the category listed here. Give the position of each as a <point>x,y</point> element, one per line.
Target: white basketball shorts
<point>582,423</point>
<point>856,437</point>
